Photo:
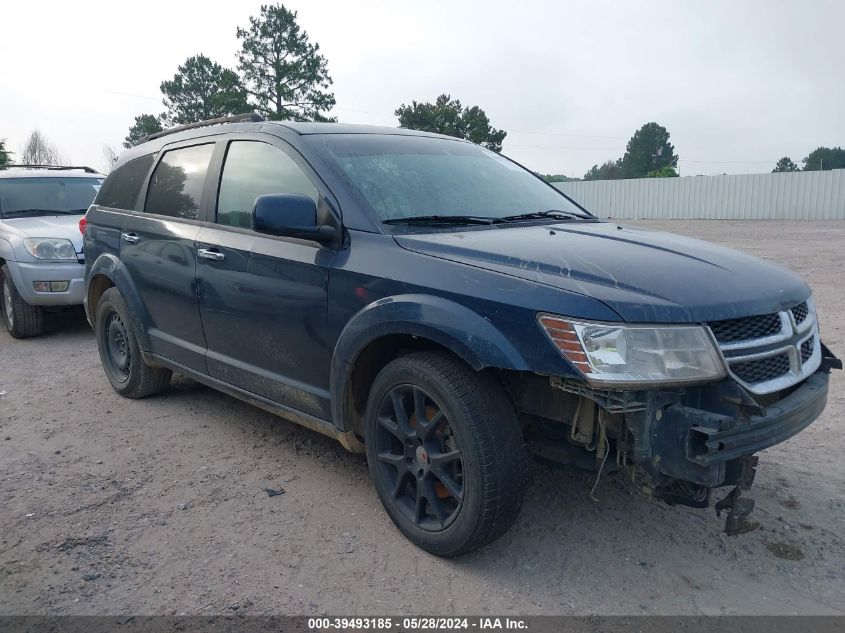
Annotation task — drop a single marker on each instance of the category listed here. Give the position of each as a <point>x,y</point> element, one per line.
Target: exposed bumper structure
<point>677,443</point>
<point>696,445</point>
<point>709,440</point>
<point>720,440</point>
<point>703,437</point>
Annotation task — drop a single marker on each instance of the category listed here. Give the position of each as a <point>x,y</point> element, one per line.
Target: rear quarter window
<point>178,180</point>
<point>123,186</point>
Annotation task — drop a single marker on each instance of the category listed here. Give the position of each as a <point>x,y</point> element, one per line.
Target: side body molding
<point>456,327</point>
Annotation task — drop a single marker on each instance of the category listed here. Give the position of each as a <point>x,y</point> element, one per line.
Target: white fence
<point>804,195</point>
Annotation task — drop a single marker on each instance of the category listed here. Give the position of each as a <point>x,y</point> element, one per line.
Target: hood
<point>643,275</point>
<point>66,226</point>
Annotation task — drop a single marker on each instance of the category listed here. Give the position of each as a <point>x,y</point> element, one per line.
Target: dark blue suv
<point>439,307</point>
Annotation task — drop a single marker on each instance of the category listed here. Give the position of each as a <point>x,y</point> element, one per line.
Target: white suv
<point>41,260</point>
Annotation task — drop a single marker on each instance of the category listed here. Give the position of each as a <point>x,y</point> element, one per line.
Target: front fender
<point>452,325</point>
<point>108,265</point>
<point>6,251</point>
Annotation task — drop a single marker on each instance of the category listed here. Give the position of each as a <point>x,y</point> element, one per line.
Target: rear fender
<point>111,267</point>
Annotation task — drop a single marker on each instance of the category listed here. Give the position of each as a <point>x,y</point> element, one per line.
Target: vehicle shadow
<point>565,543</point>
<point>558,510</point>
<point>558,506</point>
<point>617,549</point>
<point>67,321</point>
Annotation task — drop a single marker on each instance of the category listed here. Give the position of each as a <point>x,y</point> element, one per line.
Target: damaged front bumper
<point>701,446</point>
<point>693,451</point>
<point>679,444</point>
<point>707,439</point>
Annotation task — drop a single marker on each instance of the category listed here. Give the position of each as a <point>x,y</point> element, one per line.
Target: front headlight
<point>614,355</point>
<point>50,248</point>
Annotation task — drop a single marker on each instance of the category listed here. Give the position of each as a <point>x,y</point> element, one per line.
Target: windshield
<point>40,196</point>
<point>411,176</point>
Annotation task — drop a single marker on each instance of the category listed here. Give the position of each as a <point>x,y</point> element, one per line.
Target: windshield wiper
<point>550,213</point>
<point>441,219</point>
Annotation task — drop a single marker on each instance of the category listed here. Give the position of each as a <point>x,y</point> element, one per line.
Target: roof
<point>44,171</point>
<point>349,128</point>
<point>205,129</point>
<point>211,126</point>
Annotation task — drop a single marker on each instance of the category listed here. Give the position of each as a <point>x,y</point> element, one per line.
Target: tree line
<point>648,154</point>
<point>282,75</point>
<point>820,159</point>
<point>37,150</point>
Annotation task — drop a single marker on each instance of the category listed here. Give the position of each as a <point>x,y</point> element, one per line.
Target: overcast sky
<point>737,84</point>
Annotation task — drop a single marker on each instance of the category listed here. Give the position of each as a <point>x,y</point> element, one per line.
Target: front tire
<point>120,353</point>
<point>21,319</point>
<point>445,453</point>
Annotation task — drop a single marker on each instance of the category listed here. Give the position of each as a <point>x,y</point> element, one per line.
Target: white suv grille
<point>770,352</point>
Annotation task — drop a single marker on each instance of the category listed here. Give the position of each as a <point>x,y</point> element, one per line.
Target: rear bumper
<point>24,274</point>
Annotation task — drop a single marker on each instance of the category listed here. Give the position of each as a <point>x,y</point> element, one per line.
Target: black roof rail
<point>249,117</point>
<point>87,170</point>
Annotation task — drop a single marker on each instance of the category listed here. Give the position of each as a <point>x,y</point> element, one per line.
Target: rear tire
<point>455,481</point>
<point>120,353</point>
<point>21,319</point>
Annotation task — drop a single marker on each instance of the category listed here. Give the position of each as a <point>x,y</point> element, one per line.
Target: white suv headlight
<point>55,249</point>
<point>616,355</point>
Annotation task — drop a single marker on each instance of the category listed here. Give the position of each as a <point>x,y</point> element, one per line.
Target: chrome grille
<point>763,369</point>
<point>770,352</point>
<point>731,330</point>
<point>807,349</point>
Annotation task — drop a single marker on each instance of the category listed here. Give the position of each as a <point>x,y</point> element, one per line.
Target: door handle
<point>132,238</point>
<point>207,253</point>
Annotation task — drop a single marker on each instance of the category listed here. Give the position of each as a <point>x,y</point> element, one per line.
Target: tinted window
<point>38,196</point>
<point>252,169</point>
<point>401,176</point>
<point>121,189</point>
<point>177,182</point>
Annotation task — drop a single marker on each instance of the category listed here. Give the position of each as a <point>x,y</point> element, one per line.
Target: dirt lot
<point>158,507</point>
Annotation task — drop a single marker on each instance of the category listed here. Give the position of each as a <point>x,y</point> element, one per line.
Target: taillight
<point>83,222</point>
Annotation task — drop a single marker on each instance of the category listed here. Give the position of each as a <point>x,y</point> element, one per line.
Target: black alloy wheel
<point>419,457</point>
<point>445,452</point>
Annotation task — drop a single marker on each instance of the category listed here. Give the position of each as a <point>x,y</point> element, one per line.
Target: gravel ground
<point>113,506</point>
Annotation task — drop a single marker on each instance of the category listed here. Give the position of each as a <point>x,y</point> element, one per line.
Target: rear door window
<point>178,180</point>
<point>252,169</point>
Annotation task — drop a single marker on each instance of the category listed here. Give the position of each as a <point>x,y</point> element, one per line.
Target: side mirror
<point>290,215</point>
